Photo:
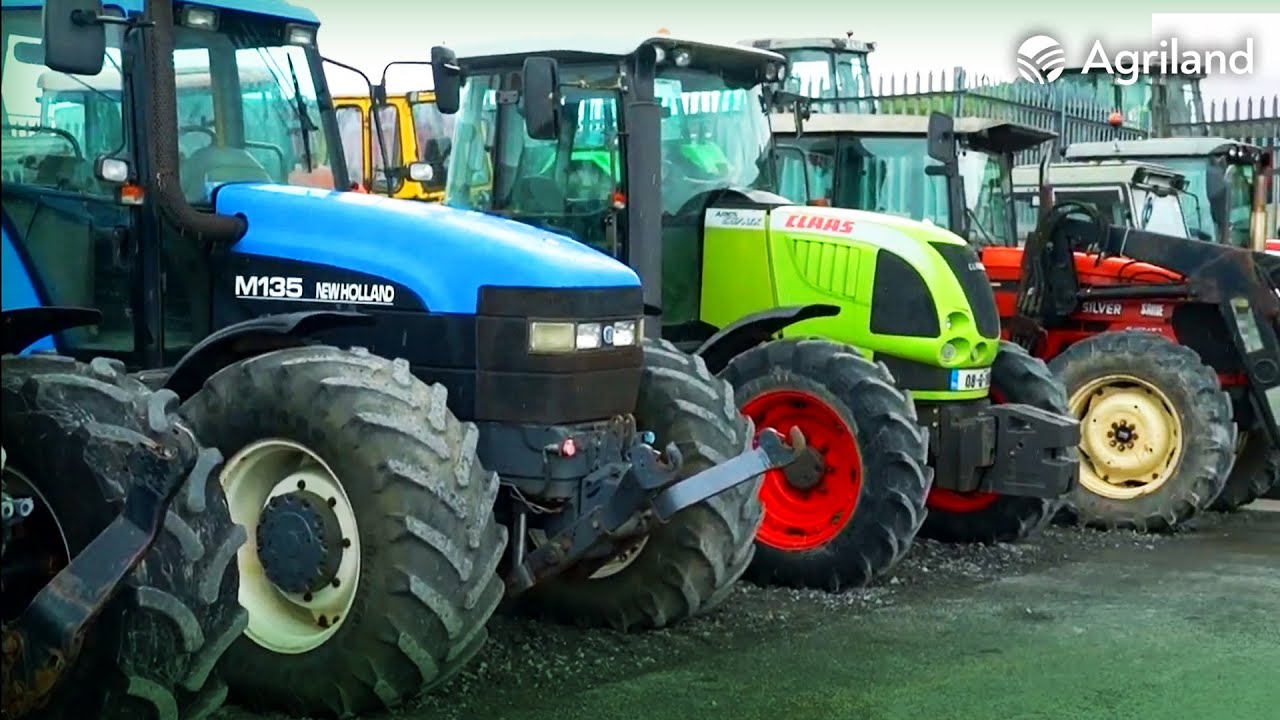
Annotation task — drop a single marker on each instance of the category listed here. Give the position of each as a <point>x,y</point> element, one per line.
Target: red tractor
<point>1167,348</point>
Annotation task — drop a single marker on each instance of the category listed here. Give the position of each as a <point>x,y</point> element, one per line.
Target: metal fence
<point>1051,107</point>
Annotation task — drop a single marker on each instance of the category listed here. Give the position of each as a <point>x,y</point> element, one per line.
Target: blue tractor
<point>381,508</point>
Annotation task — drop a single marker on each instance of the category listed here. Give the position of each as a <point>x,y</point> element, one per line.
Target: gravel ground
<point>525,660</point>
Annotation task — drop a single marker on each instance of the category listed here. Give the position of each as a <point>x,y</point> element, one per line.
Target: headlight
<point>564,336</point>
<point>551,336</point>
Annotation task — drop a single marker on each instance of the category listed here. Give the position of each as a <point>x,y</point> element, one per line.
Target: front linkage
<point>624,498</point>
<point>43,642</point>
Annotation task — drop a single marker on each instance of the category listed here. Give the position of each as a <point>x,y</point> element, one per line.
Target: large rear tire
<point>151,654</point>
<point>1256,471</point>
<point>688,565</point>
<point>1157,435</point>
<point>983,517</point>
<point>396,589</point>
<point>847,513</point>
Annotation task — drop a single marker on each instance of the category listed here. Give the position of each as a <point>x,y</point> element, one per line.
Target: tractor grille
<point>829,266</point>
<point>968,269</point>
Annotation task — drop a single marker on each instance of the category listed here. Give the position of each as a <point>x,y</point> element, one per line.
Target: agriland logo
<point>1042,60</point>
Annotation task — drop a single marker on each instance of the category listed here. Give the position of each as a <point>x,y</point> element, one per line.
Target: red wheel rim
<point>964,502</point>
<point>803,519</point>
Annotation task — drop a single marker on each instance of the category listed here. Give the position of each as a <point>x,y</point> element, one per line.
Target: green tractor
<point>876,336</point>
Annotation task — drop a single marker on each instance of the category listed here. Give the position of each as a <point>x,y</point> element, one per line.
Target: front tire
<point>855,517</point>
<point>394,595</point>
<point>152,652</point>
<point>686,566</point>
<point>1256,471</point>
<point>1172,437</point>
<point>983,517</point>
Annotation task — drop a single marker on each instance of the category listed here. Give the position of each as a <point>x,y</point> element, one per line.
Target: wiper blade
<point>304,120</point>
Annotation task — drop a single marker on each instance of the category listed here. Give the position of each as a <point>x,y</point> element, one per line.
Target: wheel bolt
<point>302,484</point>
<point>336,582</point>
<point>306,597</point>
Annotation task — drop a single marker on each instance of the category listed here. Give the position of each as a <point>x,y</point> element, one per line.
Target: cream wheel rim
<point>1131,437</point>
<point>285,622</point>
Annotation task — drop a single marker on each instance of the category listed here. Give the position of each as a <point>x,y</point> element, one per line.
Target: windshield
<point>987,182</point>
<point>884,174</point>
<point>1196,206</point>
<point>712,136</point>
<point>1159,214</point>
<point>1100,89</point>
<point>828,74</point>
<point>254,116</point>
<point>433,132</point>
<point>55,124</point>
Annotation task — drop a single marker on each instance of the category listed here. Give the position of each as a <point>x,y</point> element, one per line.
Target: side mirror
<point>421,172</point>
<point>541,98</point>
<point>446,77</point>
<point>75,40</point>
<point>942,138</point>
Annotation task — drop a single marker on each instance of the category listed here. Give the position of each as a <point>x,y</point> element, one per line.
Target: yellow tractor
<point>417,139</point>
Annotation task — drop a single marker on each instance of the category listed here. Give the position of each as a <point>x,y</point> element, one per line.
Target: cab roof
<point>505,53</point>
<point>846,44</point>
<point>1154,147</point>
<point>1105,172</point>
<point>983,134</point>
<point>271,8</point>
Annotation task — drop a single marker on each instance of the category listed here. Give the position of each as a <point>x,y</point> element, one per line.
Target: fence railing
<point>1074,116</point>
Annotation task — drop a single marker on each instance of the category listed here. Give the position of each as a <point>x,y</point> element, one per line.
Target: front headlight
<point>549,337</point>
<point>564,336</point>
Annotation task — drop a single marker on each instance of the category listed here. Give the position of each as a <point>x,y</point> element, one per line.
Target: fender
<point>246,339</point>
<point>745,333</point>
<point>27,325</point>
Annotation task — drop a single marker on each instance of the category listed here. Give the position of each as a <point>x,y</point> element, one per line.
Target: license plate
<point>979,379</point>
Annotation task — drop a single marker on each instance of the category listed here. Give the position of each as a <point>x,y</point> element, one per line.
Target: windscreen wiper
<point>304,120</point>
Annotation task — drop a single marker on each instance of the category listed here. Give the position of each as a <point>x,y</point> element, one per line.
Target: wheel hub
<point>807,471</point>
<point>299,542</point>
<point>1131,438</point>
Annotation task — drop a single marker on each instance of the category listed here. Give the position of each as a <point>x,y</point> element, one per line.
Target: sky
<point>913,36</point>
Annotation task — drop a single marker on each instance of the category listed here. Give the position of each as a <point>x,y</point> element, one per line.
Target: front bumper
<point>1010,449</point>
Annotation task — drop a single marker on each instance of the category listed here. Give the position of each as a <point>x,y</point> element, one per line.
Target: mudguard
<point>252,337</point>
<point>745,333</point>
<point>25,326</point>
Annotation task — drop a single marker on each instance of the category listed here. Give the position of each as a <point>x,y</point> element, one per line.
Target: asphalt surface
<point>1074,624</point>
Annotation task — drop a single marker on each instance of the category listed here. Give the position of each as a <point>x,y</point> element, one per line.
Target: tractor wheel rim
<point>1130,436</point>
<point>279,621</point>
<point>794,519</point>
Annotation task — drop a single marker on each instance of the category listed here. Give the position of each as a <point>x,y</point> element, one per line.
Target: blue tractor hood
<point>442,254</point>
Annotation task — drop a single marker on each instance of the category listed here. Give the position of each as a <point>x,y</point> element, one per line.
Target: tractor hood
<point>442,254</point>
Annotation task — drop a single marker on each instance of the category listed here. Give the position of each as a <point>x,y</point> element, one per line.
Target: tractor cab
<point>1128,194</point>
<point>623,114</point>
<point>832,72</point>
<point>417,138</point>
<point>893,164</point>
<point>1229,180</point>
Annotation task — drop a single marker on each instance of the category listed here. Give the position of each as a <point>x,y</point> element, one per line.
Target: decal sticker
<point>724,218</point>
<point>293,289</point>
<point>820,223</point>
<point>1153,310</point>
<point>1094,307</point>
<point>268,286</point>
<point>364,293</point>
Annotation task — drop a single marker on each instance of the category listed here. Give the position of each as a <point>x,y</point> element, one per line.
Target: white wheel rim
<point>279,621</point>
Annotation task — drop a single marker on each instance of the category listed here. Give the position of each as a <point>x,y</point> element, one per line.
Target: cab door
<point>68,239</point>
